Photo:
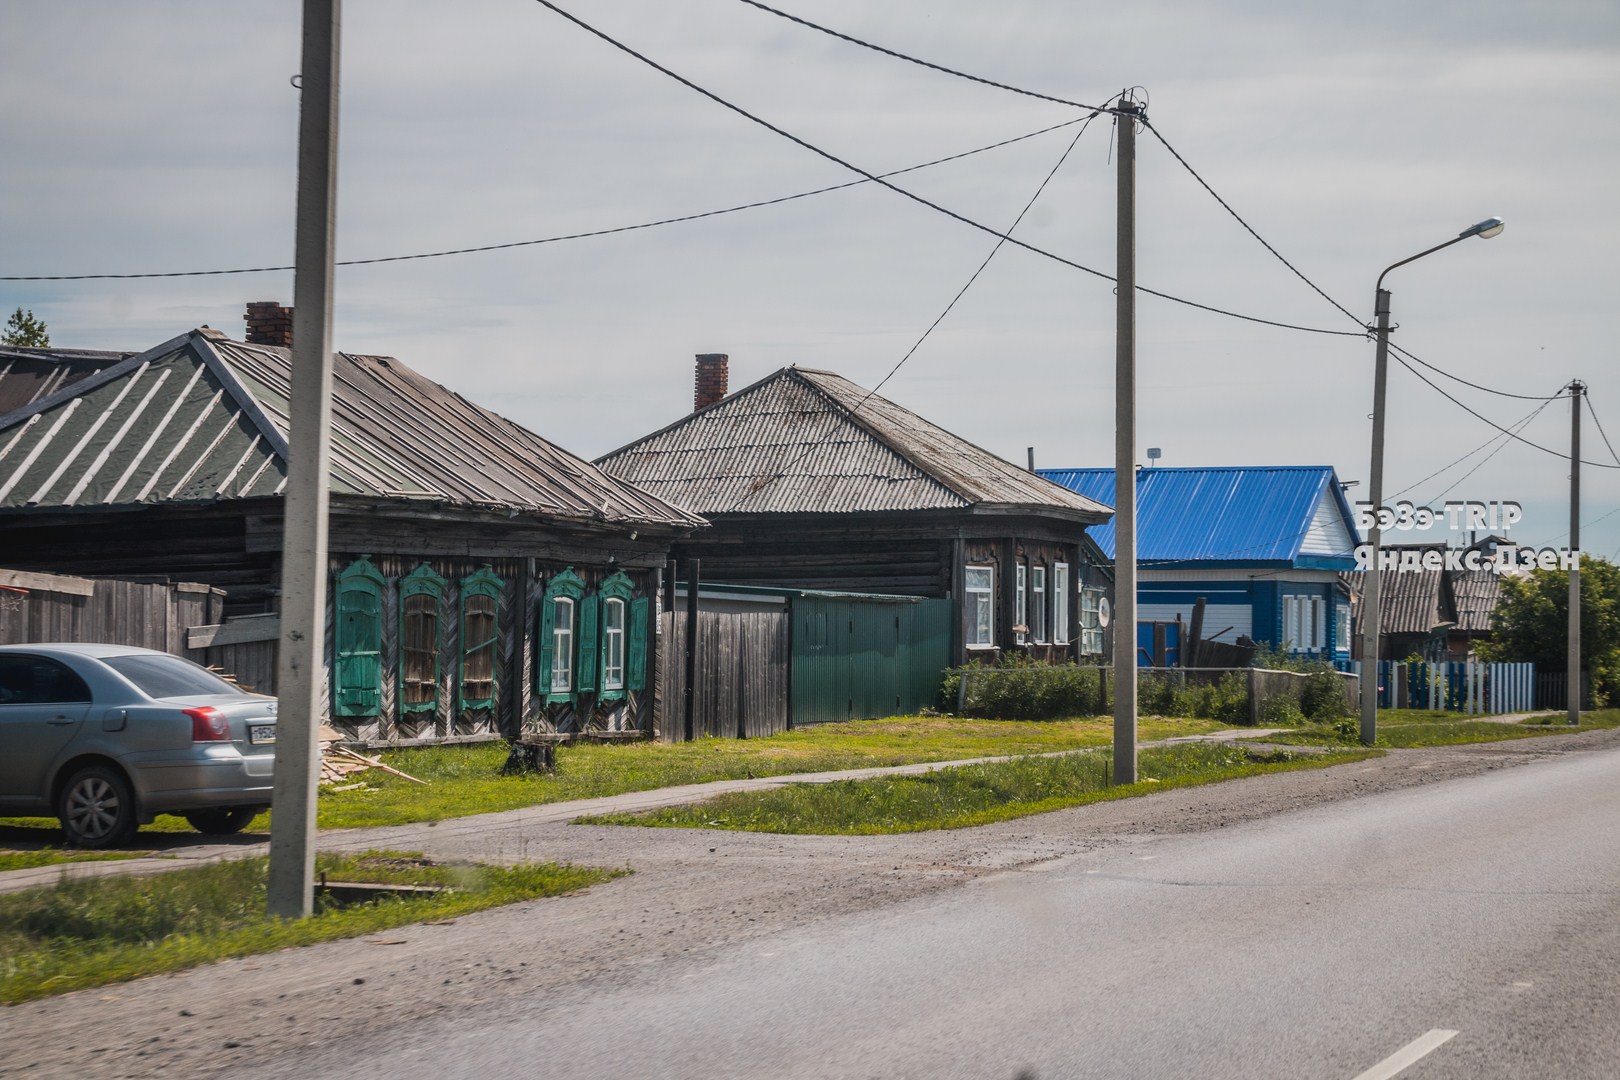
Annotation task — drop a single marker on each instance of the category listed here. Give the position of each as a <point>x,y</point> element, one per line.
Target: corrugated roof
<point>1475,593</point>
<point>202,417</point>
<point>1231,514</point>
<point>806,441</point>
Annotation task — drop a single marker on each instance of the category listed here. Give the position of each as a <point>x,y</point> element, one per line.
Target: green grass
<point>28,860</point>
<point>970,795</point>
<point>1409,728</point>
<point>93,931</point>
<point>466,780</point>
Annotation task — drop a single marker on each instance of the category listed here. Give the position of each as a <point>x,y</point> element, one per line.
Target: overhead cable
<point>834,425</point>
<point>922,63</point>
<point>740,111</point>
<point>567,236</point>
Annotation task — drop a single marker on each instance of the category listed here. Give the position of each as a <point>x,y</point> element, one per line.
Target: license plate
<point>261,734</point>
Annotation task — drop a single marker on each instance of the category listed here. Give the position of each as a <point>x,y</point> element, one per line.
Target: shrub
<point>1322,697</point>
<point>1022,689</point>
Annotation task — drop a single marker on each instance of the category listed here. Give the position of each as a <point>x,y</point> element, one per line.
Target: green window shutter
<point>542,666</point>
<point>635,660</point>
<point>357,648</point>
<point>588,618</point>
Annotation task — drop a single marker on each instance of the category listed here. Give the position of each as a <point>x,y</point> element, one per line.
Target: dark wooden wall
<point>152,616</point>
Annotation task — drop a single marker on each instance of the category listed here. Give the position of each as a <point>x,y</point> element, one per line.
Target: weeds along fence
<point>1246,696</point>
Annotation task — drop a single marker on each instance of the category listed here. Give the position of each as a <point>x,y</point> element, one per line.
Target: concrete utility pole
<point>301,666</point>
<point>1125,452</point>
<point>1576,389</point>
<point>1371,611</point>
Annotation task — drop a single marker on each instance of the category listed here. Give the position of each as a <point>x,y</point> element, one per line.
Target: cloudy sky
<point>160,136</point>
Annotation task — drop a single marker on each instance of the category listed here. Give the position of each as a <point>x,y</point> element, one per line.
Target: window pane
<point>479,635</point>
<point>562,646</point>
<point>1060,603</point>
<point>419,659</point>
<point>613,645</point>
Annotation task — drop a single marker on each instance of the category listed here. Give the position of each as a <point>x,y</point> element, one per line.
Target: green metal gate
<point>857,656</point>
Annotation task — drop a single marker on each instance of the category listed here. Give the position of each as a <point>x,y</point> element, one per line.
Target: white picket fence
<point>1458,686</point>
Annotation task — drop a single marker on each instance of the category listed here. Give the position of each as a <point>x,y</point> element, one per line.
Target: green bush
<point>1022,689</point>
<point>1281,712</point>
<point>1322,698</point>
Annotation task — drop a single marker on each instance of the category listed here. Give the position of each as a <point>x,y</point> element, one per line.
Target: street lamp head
<point>1484,230</point>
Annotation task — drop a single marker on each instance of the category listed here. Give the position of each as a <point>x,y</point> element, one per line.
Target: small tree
<point>23,329</point>
<point>1531,622</point>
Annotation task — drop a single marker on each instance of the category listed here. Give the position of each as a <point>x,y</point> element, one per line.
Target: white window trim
<point>971,595</point>
<point>1037,604</point>
<point>1060,603</point>
<point>613,640</point>
<point>562,645</point>
<point>1021,612</point>
<point>1091,631</point>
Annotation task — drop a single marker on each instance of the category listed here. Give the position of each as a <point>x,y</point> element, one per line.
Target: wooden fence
<point>1462,686</point>
<point>743,668</point>
<point>53,607</point>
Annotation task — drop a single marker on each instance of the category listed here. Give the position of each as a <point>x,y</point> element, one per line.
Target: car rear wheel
<point>97,808</point>
<point>222,822</point>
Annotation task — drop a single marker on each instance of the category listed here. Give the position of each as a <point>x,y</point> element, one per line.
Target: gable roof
<point>1294,514</point>
<point>201,418</point>
<point>807,441</point>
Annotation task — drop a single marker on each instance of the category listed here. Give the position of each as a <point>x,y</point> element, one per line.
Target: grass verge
<point>971,795</point>
<point>1422,729</point>
<point>92,931</point>
<point>466,780</point>
<point>28,860</point>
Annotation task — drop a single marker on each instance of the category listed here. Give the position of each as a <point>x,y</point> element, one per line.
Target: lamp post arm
<point>1419,255</point>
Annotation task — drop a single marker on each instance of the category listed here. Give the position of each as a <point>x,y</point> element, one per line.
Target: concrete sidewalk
<point>179,850</point>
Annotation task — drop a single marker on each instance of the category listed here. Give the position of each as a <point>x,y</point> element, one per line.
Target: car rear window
<point>169,676</point>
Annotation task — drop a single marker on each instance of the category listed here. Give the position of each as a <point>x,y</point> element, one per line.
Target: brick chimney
<point>268,323</point>
<point>711,379</point>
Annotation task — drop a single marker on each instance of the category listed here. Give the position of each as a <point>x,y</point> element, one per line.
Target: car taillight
<point>208,725</point>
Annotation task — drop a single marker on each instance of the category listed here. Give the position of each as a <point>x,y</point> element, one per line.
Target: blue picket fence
<point>1456,686</point>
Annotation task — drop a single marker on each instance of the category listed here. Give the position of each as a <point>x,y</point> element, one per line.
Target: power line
<point>1486,459</point>
<point>1518,426</point>
<point>1599,423</point>
<point>922,63</point>
<point>568,236</point>
<point>834,425</point>
<point>828,155</point>
<point>1494,424</point>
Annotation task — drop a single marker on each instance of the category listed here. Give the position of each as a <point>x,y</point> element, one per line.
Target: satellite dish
<point>1105,611</point>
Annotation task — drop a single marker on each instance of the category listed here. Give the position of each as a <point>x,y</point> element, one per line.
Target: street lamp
<point>1370,590</point>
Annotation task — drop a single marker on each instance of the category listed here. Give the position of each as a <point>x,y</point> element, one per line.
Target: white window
<point>1291,623</point>
<point>1021,614</point>
<point>1060,603</point>
<point>1091,629</point>
<point>1342,628</point>
<point>980,586</point>
<point>1037,604</point>
<point>1318,625</point>
<point>562,646</point>
<point>613,644</point>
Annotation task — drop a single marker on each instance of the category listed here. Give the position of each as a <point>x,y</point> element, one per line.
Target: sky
<point>162,137</point>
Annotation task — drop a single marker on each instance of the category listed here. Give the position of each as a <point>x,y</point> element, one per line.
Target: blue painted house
<point>1263,545</point>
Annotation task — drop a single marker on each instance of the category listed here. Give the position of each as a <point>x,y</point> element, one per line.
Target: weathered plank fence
<point>38,607</point>
<point>743,667</point>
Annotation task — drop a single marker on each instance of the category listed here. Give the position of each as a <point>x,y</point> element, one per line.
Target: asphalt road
<point>1318,942</point>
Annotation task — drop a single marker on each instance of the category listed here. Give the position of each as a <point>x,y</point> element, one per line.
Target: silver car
<point>106,737</point>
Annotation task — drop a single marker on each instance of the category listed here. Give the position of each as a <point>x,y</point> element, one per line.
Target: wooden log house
<point>483,581</point>
<point>809,481</point>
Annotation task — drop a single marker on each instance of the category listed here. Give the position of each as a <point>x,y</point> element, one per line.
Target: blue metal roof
<point>1236,515</point>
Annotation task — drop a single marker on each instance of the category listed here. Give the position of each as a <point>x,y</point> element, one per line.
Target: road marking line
<point>1408,1055</point>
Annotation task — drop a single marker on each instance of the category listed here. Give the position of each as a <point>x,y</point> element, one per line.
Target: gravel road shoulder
<point>692,891</point>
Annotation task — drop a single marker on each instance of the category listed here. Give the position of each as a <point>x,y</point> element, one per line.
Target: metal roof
<point>201,418</point>
<point>1242,514</point>
<point>28,375</point>
<point>806,441</point>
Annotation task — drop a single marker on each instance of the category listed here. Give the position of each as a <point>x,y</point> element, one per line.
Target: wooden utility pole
<point>301,666</point>
<point>1125,452</point>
